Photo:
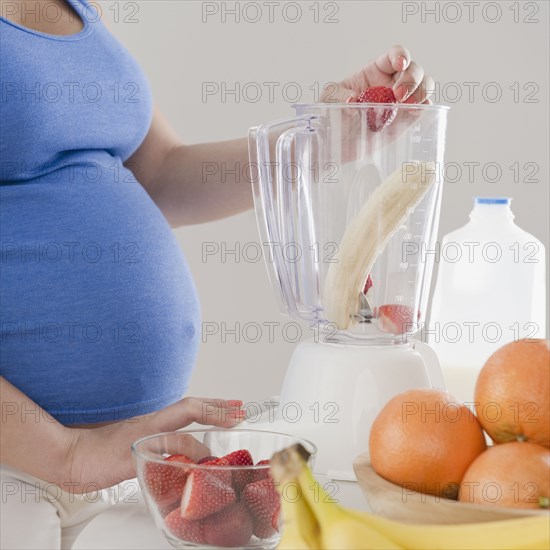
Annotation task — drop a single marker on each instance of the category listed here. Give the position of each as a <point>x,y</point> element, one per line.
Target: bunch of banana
<point>312,520</point>
<point>379,218</point>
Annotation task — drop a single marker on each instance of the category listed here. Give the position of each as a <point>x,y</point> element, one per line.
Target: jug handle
<point>435,374</point>
<point>269,210</point>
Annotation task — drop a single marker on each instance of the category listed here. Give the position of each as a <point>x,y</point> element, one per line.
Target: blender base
<point>333,392</point>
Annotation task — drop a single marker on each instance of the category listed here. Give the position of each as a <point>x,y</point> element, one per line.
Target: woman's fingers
<point>185,444</point>
<point>334,92</point>
<point>408,81</point>
<point>410,84</point>
<point>215,412</point>
<point>396,59</point>
<point>423,92</point>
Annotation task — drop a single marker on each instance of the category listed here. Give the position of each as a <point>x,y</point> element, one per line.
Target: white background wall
<point>180,53</point>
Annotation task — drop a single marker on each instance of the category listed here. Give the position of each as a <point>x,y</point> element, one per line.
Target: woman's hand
<point>101,457</point>
<point>393,69</point>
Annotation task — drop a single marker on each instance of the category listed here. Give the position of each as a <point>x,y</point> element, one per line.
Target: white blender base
<point>333,392</point>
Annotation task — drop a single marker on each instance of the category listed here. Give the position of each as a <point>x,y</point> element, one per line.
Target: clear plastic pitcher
<point>347,198</point>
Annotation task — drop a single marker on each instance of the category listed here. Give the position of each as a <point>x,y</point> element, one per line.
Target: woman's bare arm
<point>31,440</point>
<point>195,183</point>
<point>192,183</point>
<point>79,459</point>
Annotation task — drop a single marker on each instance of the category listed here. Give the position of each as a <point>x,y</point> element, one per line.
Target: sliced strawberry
<point>165,510</point>
<point>179,458</point>
<point>263,473</point>
<point>275,520</point>
<point>204,494</point>
<point>378,119</point>
<point>240,477</point>
<point>165,482</point>
<point>207,459</point>
<point>368,284</point>
<point>225,475</point>
<point>189,531</point>
<point>263,503</point>
<point>241,457</point>
<point>232,527</point>
<point>395,318</point>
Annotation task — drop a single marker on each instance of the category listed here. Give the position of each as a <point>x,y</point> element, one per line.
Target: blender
<point>347,199</point>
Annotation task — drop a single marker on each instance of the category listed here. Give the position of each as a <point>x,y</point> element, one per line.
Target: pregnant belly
<point>100,319</point>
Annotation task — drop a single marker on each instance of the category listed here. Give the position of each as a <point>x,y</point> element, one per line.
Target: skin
<point>171,172</point>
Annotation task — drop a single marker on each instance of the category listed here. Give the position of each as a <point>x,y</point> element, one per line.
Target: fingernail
<point>398,92</point>
<point>401,61</point>
<point>235,403</point>
<point>404,91</point>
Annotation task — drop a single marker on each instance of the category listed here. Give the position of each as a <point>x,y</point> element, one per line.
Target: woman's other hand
<point>101,457</point>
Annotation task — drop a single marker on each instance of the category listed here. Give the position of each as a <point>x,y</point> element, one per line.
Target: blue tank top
<point>99,317</point>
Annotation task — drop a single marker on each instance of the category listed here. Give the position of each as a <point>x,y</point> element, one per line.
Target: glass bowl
<point>200,497</point>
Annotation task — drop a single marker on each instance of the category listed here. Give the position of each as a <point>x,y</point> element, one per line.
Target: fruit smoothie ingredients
<point>225,476</point>
<point>165,482</point>
<point>395,318</point>
<point>368,284</point>
<point>512,393</point>
<point>206,459</point>
<point>191,531</point>
<point>262,501</point>
<point>232,527</point>
<point>205,494</point>
<point>316,520</point>
<point>368,233</point>
<point>514,474</point>
<point>240,477</point>
<point>377,118</point>
<point>258,475</point>
<point>425,440</point>
<point>223,503</point>
<point>229,528</point>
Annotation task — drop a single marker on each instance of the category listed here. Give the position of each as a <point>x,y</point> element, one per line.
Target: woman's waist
<point>71,167</point>
<point>96,204</point>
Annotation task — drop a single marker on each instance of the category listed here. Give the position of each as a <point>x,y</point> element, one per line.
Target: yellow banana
<point>336,529</point>
<point>522,533</point>
<point>301,530</point>
<point>292,538</point>
<point>379,218</point>
<point>314,521</point>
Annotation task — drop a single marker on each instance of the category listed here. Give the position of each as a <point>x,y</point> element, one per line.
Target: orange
<point>514,474</point>
<point>512,393</point>
<point>424,440</point>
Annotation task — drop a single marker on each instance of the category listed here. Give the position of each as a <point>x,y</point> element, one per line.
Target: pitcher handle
<point>435,374</point>
<point>270,192</point>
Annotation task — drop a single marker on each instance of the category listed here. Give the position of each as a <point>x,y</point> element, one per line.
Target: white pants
<point>38,515</point>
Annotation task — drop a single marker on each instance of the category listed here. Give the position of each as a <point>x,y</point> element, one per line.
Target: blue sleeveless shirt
<point>99,317</point>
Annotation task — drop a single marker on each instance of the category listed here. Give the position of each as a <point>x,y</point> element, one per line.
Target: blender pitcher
<point>350,214</point>
<point>347,199</point>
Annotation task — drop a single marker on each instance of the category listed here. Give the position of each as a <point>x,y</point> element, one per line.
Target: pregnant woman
<point>100,321</point>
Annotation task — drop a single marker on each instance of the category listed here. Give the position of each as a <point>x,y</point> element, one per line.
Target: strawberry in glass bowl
<point>213,488</point>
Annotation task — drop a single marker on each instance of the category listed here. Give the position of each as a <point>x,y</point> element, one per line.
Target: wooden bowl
<point>395,502</point>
